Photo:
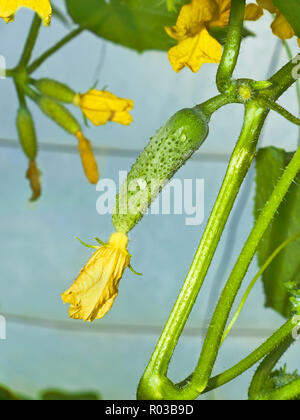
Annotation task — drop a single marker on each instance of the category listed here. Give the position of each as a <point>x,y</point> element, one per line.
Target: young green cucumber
<point>168,150</point>
<point>26,131</point>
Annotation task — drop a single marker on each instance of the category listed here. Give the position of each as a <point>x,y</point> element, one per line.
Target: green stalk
<point>285,393</point>
<point>281,111</point>
<point>254,281</point>
<point>265,369</point>
<point>274,341</point>
<point>233,44</point>
<point>30,42</point>
<point>47,54</point>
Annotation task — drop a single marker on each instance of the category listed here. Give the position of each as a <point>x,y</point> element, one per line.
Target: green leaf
<point>56,395</point>
<point>270,164</point>
<point>291,10</point>
<point>7,395</point>
<point>137,24</point>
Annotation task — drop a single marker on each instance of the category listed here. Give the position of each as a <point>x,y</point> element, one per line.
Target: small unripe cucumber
<point>27,134</point>
<point>59,114</point>
<point>55,90</point>
<point>165,154</point>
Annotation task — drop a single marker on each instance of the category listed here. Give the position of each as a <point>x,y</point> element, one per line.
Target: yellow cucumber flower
<point>195,44</point>
<point>8,8</point>
<point>96,288</point>
<point>101,106</point>
<point>280,26</point>
<point>87,158</point>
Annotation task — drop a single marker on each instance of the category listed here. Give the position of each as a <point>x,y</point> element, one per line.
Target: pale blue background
<point>40,258</point>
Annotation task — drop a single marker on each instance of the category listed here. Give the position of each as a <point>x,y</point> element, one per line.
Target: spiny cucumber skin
<point>168,150</point>
<point>27,134</point>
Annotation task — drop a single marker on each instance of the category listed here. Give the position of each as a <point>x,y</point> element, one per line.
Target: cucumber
<point>168,150</point>
<point>27,134</point>
<point>59,114</point>
<point>56,90</point>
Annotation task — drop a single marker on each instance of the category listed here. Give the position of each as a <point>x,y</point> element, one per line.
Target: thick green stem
<point>30,42</point>
<point>254,281</point>
<point>39,61</point>
<point>285,393</point>
<point>239,165</point>
<point>280,110</point>
<point>266,367</point>
<point>212,105</point>
<point>20,94</point>
<point>282,334</point>
<point>232,46</point>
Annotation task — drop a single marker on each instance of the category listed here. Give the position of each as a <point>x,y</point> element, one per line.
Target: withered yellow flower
<point>280,25</point>
<point>96,288</point>
<point>87,158</point>
<point>8,8</point>
<point>33,176</point>
<point>101,106</point>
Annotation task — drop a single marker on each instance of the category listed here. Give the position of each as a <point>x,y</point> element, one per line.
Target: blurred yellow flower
<point>101,106</point>
<point>87,157</point>
<point>93,293</point>
<point>280,25</point>
<point>8,8</point>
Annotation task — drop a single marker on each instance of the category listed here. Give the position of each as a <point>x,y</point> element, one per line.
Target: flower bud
<point>59,114</point>
<point>55,90</point>
<point>87,158</point>
<point>26,131</point>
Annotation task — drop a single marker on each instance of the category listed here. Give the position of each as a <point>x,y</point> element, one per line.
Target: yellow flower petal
<point>222,13</point>
<point>87,157</point>
<point>194,52</point>
<point>268,5</point>
<point>101,106</point>
<point>94,291</point>
<point>280,25</point>
<point>282,28</point>
<point>195,45</point>
<point>253,12</point>
<point>8,8</point>
<point>192,18</point>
